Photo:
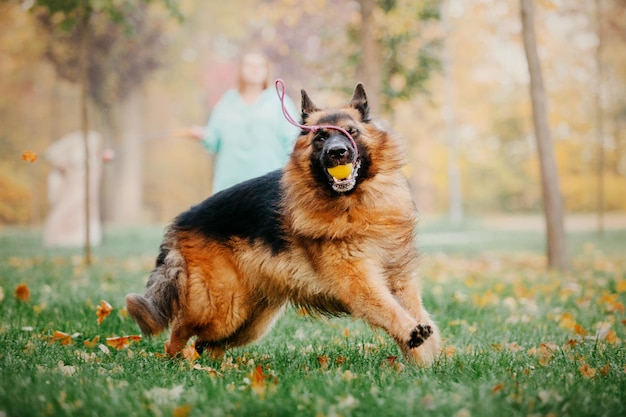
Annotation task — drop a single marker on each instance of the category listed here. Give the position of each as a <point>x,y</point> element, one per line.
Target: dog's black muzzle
<point>337,151</point>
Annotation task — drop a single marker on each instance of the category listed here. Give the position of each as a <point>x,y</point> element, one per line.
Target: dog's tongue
<point>341,172</point>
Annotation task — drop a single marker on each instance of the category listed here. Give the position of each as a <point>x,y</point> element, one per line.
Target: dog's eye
<point>321,137</point>
<point>352,131</point>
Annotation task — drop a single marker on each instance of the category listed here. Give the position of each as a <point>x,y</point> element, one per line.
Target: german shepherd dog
<point>230,265</point>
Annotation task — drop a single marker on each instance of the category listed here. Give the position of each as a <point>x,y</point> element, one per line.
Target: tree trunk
<point>455,196</point>
<point>552,199</point>
<point>599,120</point>
<point>84,120</point>
<point>369,68</point>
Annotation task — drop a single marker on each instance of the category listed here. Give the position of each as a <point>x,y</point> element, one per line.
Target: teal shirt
<point>248,140</point>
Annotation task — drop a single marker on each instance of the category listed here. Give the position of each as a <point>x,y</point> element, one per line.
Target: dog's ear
<point>359,102</point>
<point>307,106</point>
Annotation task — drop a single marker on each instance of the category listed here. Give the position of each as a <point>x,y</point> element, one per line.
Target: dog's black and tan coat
<point>228,266</point>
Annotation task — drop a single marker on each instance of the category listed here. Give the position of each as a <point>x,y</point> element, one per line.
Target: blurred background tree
<point>181,69</point>
<point>550,185</point>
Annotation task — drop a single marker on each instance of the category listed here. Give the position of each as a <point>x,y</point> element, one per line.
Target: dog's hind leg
<point>145,313</point>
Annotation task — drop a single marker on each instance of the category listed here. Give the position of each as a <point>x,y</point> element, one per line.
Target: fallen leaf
<point>22,292</point>
<point>61,337</point>
<point>257,381</point>
<point>103,310</point>
<point>211,371</point>
<point>611,337</point>
<point>579,330</point>
<point>566,321</point>
<point>545,352</point>
<point>29,348</point>
<point>392,362</point>
<point>348,376</point>
<point>104,349</point>
<point>587,371</point>
<point>190,353</point>
<point>496,388</point>
<point>29,156</point>
<point>605,369</point>
<point>323,360</point>
<point>122,342</point>
<point>67,370</point>
<point>449,351</point>
<point>513,347</point>
<point>181,411</point>
<point>91,344</point>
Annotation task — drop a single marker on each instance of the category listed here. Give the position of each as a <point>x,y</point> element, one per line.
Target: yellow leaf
<point>449,351</point>
<point>621,286</point>
<point>61,337</point>
<point>103,310</point>
<point>579,330</point>
<point>93,343</point>
<point>29,156</point>
<point>611,337</point>
<point>122,342</point>
<point>190,353</point>
<point>587,371</point>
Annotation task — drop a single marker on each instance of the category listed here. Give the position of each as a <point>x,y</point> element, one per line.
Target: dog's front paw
<point>419,334</point>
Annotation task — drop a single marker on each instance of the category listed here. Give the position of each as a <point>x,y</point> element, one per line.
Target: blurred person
<point>65,224</point>
<point>246,130</point>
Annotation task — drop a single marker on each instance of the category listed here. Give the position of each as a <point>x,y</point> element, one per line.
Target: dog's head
<point>330,157</point>
<point>334,160</point>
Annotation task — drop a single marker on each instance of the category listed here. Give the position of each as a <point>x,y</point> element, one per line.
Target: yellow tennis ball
<point>341,172</point>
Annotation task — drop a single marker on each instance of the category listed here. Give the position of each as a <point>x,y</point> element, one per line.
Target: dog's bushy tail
<point>154,310</point>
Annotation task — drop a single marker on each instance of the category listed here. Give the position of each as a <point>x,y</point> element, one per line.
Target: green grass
<point>520,341</point>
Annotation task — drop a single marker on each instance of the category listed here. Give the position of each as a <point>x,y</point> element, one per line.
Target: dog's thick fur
<point>228,266</point>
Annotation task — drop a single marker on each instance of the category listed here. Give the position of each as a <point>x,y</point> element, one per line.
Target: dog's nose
<point>338,151</point>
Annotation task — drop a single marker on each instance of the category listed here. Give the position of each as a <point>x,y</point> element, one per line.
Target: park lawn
<point>520,341</point>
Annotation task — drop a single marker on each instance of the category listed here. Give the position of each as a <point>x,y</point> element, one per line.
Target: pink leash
<point>280,89</point>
